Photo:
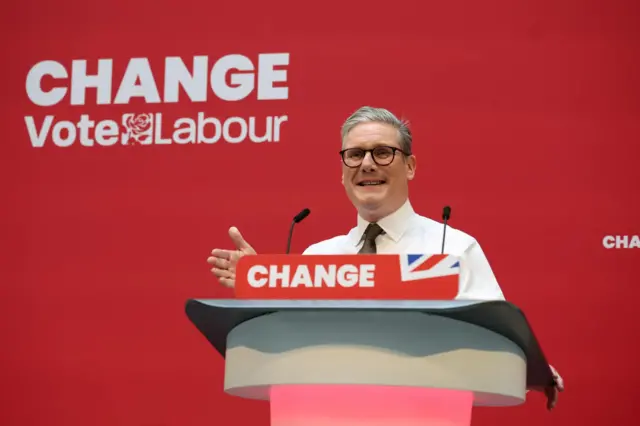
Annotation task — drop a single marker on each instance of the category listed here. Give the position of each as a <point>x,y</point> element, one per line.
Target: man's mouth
<point>371,182</point>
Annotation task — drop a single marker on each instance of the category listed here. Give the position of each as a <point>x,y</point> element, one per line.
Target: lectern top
<point>215,318</point>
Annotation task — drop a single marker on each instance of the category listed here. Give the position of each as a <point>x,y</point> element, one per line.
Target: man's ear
<point>411,167</point>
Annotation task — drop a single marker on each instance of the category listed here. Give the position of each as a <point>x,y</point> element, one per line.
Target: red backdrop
<point>525,116</point>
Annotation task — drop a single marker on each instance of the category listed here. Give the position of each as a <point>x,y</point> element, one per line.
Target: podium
<point>340,360</point>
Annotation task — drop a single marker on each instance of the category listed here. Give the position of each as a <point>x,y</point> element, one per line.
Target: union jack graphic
<point>423,266</point>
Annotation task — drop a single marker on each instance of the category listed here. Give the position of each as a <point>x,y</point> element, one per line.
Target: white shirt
<point>408,232</point>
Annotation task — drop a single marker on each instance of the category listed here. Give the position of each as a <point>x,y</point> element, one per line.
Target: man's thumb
<point>237,239</point>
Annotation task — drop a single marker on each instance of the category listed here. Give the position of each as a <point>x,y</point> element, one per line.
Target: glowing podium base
<point>368,405</point>
<point>399,363</point>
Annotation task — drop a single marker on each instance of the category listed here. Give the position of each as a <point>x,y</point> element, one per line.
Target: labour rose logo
<point>139,128</point>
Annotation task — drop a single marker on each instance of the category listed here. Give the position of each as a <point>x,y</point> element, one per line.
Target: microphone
<point>297,219</point>
<point>446,214</point>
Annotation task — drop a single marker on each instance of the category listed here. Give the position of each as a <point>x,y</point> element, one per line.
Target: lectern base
<point>370,405</point>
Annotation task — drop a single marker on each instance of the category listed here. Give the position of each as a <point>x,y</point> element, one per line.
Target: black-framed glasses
<point>382,155</point>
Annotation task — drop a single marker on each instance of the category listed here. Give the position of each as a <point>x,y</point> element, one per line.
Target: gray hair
<point>368,114</point>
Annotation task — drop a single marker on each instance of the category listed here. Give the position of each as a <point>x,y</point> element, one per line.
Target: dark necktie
<point>370,235</point>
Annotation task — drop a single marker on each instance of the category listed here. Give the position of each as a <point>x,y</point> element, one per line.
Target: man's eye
<point>383,153</point>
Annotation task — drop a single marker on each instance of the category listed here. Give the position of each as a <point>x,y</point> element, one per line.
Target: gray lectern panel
<point>215,318</point>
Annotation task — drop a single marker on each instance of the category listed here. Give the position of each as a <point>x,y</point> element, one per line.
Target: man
<point>378,164</point>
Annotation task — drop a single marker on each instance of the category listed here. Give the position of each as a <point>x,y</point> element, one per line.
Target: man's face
<point>376,190</point>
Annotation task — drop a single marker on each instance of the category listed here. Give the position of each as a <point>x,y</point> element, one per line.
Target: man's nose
<point>367,162</point>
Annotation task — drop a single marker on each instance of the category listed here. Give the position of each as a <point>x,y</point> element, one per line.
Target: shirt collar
<point>394,225</point>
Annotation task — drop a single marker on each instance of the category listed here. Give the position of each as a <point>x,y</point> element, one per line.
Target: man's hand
<point>224,261</point>
<point>552,391</point>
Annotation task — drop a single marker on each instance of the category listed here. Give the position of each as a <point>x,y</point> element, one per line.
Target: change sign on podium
<point>336,277</point>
